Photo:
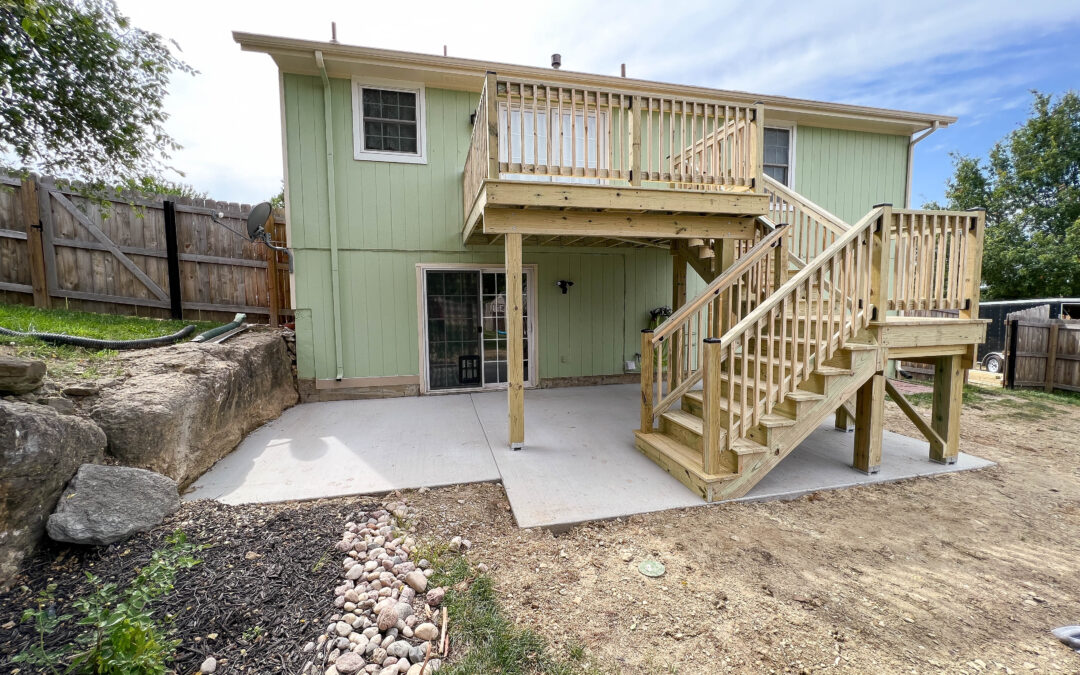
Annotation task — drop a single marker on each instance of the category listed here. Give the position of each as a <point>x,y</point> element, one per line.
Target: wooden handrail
<point>721,282</point>
<point>801,277</point>
<point>818,212</point>
<point>938,256</point>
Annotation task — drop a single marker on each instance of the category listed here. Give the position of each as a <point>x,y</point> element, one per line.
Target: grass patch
<point>1018,403</point>
<point>483,640</point>
<point>79,360</point>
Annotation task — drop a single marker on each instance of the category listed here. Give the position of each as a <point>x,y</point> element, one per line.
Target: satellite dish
<point>257,218</point>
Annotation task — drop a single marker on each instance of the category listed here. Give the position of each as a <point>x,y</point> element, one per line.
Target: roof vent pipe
<point>556,61</point>
<point>333,32</point>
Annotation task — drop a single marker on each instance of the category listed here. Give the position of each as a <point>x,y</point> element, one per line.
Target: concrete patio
<point>579,461</point>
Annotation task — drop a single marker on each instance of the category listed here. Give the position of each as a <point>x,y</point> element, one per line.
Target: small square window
<point>388,123</point>
<point>777,154</point>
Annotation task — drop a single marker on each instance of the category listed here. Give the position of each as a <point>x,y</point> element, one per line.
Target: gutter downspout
<point>331,197</point>
<point>911,160</point>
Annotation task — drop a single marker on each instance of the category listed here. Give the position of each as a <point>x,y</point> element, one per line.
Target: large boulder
<point>106,504</point>
<point>39,452</point>
<point>18,376</point>
<point>182,409</point>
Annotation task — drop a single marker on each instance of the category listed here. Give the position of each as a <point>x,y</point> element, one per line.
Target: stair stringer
<point>864,364</point>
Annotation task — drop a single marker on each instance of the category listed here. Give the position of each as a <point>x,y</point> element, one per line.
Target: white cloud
<point>915,55</point>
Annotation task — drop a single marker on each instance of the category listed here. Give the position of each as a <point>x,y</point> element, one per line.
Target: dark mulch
<point>263,606</point>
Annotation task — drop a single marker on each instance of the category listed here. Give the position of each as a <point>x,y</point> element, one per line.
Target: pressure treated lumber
<point>515,347</point>
<point>948,400</point>
<point>869,420</point>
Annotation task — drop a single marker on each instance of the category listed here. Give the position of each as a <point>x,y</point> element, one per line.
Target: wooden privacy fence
<point>1042,353</point>
<point>156,257</point>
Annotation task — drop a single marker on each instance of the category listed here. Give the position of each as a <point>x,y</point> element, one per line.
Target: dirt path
<point>959,573</point>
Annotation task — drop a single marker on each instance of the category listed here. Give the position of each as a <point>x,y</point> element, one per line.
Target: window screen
<point>389,120</point>
<point>778,154</point>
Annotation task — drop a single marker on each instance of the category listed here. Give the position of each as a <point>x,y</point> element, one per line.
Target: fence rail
<point>56,245</point>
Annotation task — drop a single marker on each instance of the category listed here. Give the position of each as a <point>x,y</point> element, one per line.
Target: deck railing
<point>813,229</point>
<point>937,260</point>
<point>672,354</point>
<point>549,131</point>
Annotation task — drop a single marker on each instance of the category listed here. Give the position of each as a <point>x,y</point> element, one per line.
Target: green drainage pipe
<point>214,332</point>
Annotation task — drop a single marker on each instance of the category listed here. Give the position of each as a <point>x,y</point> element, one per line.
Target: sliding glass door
<point>465,320</point>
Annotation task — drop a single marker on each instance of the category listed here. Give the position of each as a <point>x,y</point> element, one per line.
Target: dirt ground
<point>959,573</point>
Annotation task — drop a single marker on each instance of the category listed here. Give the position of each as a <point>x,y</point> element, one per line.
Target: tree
<point>81,92</point>
<point>1030,188</point>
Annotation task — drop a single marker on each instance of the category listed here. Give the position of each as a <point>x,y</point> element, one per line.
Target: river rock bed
<point>388,620</point>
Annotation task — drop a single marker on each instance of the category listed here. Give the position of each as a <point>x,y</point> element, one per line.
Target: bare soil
<point>964,572</point>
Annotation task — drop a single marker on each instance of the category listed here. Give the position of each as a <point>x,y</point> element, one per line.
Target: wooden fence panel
<point>1043,353</point>
<point>113,258</point>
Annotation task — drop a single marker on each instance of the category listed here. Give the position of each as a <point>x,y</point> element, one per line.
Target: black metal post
<point>176,308</point>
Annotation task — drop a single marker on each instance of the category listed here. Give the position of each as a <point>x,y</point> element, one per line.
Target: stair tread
<point>745,446</point>
<point>685,419</point>
<point>803,395</point>
<point>684,455</point>
<point>833,370</point>
<point>776,420</point>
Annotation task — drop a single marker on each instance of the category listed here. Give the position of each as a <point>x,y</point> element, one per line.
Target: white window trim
<point>792,128</point>
<point>359,153</point>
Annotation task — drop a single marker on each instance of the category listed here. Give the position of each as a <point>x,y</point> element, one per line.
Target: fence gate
<point>1042,353</point>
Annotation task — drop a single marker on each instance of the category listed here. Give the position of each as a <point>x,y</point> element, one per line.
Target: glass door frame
<point>530,275</point>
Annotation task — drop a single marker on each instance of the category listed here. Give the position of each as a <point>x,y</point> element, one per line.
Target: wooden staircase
<point>735,379</point>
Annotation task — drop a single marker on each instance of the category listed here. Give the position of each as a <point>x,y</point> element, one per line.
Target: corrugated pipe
<point>214,332</point>
<point>94,343</point>
<point>331,197</point>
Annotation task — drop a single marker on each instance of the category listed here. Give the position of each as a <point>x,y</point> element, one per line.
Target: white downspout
<point>331,197</point>
<point>911,160</point>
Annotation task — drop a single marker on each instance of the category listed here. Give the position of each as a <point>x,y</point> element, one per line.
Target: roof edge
<point>275,45</point>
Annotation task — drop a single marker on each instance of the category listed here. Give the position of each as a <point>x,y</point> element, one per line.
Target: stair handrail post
<point>491,94</point>
<point>780,259</point>
<point>757,155</point>
<point>712,428</point>
<point>648,369</point>
<point>879,263</point>
<point>973,264</point>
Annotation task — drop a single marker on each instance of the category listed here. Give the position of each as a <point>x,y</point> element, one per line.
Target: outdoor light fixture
<point>564,285</point>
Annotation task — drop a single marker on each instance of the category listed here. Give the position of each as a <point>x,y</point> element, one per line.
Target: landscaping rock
<point>349,663</point>
<point>39,452</point>
<point>182,409</point>
<point>80,390</point>
<point>209,665</point>
<point>417,581</point>
<point>18,376</point>
<point>105,504</point>
<point>61,405</point>
<point>426,632</point>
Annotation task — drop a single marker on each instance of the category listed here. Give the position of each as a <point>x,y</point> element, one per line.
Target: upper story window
<point>388,122</point>
<point>778,154</point>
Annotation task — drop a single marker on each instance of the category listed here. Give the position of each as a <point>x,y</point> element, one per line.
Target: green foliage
<point>121,634</point>
<point>151,185</point>
<point>278,200</point>
<point>1030,188</point>
<point>83,92</point>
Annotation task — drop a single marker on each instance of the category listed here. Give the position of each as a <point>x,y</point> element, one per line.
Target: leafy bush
<point>121,633</point>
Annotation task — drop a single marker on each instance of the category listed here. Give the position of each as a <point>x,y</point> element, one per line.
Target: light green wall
<point>394,216</point>
<point>847,172</point>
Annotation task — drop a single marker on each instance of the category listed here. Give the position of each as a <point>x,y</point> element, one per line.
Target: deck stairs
<point>776,343</point>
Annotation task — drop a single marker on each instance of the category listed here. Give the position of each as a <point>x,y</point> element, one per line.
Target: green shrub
<point>121,634</point>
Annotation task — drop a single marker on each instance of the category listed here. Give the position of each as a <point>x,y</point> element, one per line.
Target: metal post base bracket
<point>517,446</point>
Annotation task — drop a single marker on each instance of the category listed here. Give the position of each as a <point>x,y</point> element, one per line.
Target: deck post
<point>635,141</point>
<point>973,276</point>
<point>491,100</point>
<point>515,322</point>
<point>648,369</point>
<point>712,429</point>
<point>948,401</point>
<point>869,418</point>
<point>758,157</point>
<point>843,421</point>
<point>879,263</point>
<point>678,299</point>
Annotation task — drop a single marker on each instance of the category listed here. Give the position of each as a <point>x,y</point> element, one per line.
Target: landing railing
<point>813,229</point>
<point>672,355</point>
<point>549,131</point>
<point>938,256</point>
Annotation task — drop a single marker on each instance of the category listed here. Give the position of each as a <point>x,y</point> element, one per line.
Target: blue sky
<point>976,60</point>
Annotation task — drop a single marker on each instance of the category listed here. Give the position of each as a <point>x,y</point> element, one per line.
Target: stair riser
<point>681,433</point>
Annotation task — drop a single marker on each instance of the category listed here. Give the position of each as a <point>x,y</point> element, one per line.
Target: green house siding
<point>392,217</point>
<point>847,172</point>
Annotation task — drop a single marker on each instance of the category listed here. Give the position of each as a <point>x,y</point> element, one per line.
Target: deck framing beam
<point>615,224</point>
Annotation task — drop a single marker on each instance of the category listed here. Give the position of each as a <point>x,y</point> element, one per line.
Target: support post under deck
<point>869,419</point>
<point>948,401</point>
<point>515,347</point>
